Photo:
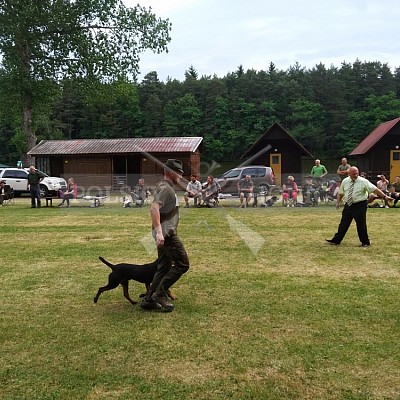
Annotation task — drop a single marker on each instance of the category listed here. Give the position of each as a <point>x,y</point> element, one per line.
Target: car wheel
<point>263,189</point>
<point>44,192</point>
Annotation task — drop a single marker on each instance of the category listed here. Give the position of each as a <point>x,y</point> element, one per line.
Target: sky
<point>217,36</point>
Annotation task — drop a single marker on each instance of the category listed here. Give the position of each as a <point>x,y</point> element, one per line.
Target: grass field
<point>267,310</point>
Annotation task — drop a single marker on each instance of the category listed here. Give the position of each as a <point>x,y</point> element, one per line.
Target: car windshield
<point>233,173</point>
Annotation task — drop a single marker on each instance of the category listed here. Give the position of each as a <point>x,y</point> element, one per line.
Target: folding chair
<point>8,197</point>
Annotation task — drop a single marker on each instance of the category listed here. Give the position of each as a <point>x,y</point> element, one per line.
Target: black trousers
<point>358,212</point>
<point>3,197</point>
<point>35,195</point>
<point>67,198</point>
<point>174,262</point>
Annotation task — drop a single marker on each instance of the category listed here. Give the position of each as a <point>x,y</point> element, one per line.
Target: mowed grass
<point>267,310</point>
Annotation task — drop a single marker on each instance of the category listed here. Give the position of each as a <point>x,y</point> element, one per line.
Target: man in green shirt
<point>318,171</point>
<point>396,184</point>
<point>34,178</point>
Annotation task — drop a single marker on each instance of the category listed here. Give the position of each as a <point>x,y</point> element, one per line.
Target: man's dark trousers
<point>358,212</point>
<point>35,195</point>
<point>174,262</point>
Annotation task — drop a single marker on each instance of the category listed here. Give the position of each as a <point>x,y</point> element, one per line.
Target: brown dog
<point>122,273</point>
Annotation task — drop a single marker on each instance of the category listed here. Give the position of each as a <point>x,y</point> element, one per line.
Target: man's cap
<point>175,165</point>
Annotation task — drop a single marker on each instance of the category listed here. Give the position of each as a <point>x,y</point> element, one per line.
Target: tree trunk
<point>30,135</point>
<point>27,130</point>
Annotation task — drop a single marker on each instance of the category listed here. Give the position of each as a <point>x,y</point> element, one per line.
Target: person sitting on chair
<point>396,184</point>
<point>210,191</point>
<point>289,194</point>
<point>383,183</point>
<point>391,194</point>
<point>140,193</point>
<point>5,192</point>
<point>245,188</point>
<point>333,189</point>
<point>394,195</point>
<point>311,192</point>
<point>70,193</point>
<point>193,190</point>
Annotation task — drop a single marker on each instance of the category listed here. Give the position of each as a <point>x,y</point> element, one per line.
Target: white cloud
<point>216,36</point>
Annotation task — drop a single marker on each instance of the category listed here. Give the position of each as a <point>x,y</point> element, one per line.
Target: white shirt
<point>193,186</point>
<point>362,188</point>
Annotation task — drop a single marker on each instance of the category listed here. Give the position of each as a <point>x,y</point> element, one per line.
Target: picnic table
<point>96,200</point>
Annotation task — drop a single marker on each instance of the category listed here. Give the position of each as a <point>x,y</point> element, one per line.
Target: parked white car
<point>17,178</point>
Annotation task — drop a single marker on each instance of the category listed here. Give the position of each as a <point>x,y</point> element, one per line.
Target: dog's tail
<point>106,262</point>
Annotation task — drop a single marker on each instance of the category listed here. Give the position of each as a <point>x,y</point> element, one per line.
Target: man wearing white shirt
<point>355,191</point>
<point>193,190</point>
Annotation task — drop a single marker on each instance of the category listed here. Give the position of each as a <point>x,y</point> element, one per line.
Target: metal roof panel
<point>117,146</point>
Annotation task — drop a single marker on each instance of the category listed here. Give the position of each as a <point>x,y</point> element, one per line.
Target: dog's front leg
<point>147,290</point>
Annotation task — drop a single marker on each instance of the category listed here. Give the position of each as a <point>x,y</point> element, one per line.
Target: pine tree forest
<point>328,110</point>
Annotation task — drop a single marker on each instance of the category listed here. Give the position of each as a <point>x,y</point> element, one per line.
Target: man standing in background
<point>318,171</point>
<point>34,178</point>
<point>343,169</point>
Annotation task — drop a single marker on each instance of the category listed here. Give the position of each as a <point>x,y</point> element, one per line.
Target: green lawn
<point>267,310</point>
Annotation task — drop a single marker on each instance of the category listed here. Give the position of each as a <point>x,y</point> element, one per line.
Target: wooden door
<point>394,164</point>
<point>275,164</point>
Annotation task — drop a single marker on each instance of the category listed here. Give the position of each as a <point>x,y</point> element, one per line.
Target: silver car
<point>262,177</point>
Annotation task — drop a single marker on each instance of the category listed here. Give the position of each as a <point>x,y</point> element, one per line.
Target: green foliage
<point>171,122</point>
<point>19,141</point>
<point>189,116</point>
<point>328,110</point>
<point>378,109</point>
<point>191,73</point>
<point>383,108</point>
<point>101,38</point>
<point>43,42</point>
<point>308,122</point>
